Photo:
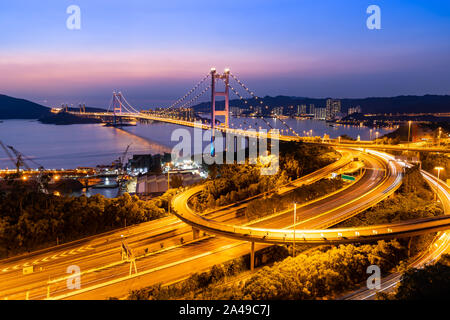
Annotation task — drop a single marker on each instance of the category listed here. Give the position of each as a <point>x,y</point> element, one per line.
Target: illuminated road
<point>94,253</point>
<point>439,246</point>
<point>242,132</point>
<point>171,264</point>
<point>205,253</point>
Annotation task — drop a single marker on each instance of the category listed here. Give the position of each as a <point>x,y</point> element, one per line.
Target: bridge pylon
<point>117,105</point>
<point>117,102</point>
<point>214,93</point>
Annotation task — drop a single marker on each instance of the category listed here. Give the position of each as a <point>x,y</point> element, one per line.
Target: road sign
<point>346,177</point>
<point>28,270</point>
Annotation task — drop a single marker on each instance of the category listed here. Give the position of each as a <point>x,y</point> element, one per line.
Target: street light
<point>439,137</point>
<point>295,221</point>
<point>409,129</point>
<point>439,171</point>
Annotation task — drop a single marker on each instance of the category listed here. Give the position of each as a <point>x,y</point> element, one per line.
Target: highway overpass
<point>321,236</point>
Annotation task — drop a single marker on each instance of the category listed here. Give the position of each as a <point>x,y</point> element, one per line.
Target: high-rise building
<point>235,111</point>
<point>278,111</point>
<point>320,113</point>
<point>311,108</point>
<point>301,109</point>
<point>356,109</point>
<point>333,108</point>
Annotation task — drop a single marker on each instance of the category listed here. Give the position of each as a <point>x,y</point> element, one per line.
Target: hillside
<point>13,108</point>
<point>400,104</point>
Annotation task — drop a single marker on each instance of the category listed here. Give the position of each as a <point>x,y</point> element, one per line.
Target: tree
<point>429,283</point>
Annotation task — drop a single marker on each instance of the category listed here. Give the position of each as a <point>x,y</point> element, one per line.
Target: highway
<point>439,246</point>
<point>103,275</point>
<point>104,250</point>
<point>205,253</point>
<point>317,236</point>
<point>247,133</point>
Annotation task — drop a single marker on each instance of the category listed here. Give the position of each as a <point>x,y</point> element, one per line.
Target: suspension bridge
<point>120,109</point>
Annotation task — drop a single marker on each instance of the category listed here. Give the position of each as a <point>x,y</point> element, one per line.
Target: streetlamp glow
<point>409,129</point>
<point>295,221</point>
<point>438,170</point>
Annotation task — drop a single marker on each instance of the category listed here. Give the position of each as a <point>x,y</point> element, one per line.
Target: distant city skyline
<point>154,51</point>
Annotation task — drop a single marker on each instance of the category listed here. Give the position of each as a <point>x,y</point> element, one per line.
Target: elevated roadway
<point>320,236</point>
<point>246,133</point>
<point>98,256</point>
<point>439,246</point>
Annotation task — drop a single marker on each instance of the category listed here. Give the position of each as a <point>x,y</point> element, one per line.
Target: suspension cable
<point>189,92</point>
<point>261,102</point>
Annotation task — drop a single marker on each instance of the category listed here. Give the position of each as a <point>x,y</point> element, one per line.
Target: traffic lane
<point>112,238</point>
<point>360,188</point>
<point>439,246</point>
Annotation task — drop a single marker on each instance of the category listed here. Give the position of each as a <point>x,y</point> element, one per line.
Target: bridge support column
<point>252,256</point>
<point>196,233</point>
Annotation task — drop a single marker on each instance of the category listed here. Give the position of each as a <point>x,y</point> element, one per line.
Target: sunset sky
<point>154,51</point>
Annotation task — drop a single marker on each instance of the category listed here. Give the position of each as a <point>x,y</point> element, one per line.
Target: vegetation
<point>432,160</point>
<point>218,274</point>
<point>321,273</point>
<point>327,272</point>
<point>430,283</point>
<point>30,219</point>
<point>230,183</point>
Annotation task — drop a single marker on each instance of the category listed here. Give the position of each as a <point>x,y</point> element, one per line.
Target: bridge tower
<point>117,105</point>
<point>214,93</point>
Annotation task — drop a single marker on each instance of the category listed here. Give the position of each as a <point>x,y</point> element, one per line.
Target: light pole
<point>439,171</point>
<point>439,137</point>
<point>409,130</point>
<point>370,134</point>
<point>295,221</point>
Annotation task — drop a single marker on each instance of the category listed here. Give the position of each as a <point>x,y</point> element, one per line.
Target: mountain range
<point>400,104</point>
<point>14,108</point>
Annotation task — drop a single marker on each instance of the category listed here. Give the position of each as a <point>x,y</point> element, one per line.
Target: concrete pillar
<point>196,233</point>
<point>252,257</point>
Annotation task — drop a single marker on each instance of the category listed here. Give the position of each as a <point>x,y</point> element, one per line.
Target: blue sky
<point>156,50</point>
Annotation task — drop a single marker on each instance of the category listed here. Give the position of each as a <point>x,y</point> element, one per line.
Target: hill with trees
<point>14,108</point>
<point>399,104</point>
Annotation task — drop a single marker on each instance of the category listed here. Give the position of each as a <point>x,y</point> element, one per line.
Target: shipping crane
<point>122,171</point>
<point>19,159</point>
<point>122,159</point>
<point>18,162</point>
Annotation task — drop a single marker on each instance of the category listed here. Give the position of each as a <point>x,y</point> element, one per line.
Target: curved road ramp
<point>318,236</point>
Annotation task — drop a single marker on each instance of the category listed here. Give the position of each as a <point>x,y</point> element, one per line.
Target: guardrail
<point>325,236</point>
